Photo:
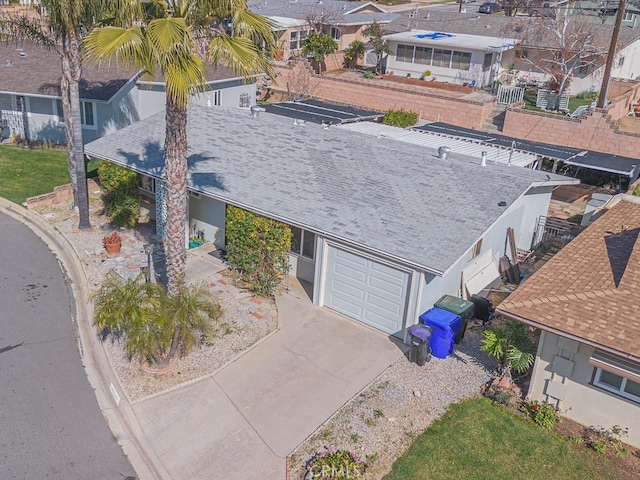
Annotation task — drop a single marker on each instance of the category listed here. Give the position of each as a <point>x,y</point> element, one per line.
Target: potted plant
<point>112,242</point>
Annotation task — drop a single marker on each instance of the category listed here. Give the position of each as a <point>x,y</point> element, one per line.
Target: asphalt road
<point>50,423</point>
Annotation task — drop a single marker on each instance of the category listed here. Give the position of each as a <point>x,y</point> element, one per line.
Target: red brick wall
<point>62,193</point>
<point>594,132</point>
<point>376,96</point>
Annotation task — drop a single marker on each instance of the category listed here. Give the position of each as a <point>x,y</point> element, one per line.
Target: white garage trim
<point>366,288</point>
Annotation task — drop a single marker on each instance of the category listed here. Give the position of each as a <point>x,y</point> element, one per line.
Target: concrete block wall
<point>375,95</point>
<point>597,131</point>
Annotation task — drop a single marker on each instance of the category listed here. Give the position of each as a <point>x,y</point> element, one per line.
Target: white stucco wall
<point>522,216</point>
<point>208,215</point>
<point>573,394</point>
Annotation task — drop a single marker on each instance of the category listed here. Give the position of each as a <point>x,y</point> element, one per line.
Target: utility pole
<point>611,56</point>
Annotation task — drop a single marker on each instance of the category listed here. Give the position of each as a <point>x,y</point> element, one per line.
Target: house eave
<point>562,333</point>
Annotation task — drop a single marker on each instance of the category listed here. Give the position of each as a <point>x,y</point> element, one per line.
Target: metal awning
<point>600,161</point>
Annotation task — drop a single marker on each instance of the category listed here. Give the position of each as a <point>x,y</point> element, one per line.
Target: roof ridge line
<point>564,297</point>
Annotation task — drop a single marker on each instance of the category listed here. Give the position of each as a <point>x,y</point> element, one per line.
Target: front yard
<point>27,172</point>
<point>476,439</point>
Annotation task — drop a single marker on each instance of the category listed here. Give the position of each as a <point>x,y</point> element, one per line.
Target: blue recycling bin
<point>445,325</point>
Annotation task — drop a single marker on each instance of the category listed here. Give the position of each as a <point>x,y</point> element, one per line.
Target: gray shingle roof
<point>391,197</point>
<point>301,8</point>
<point>40,71</point>
<point>473,23</point>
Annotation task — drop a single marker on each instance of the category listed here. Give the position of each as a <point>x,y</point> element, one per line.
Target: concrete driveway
<point>244,420</point>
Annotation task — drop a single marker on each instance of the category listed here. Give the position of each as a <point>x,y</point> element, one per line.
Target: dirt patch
<point>627,460</point>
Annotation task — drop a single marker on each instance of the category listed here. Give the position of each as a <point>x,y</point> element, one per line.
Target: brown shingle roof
<point>40,71</point>
<point>591,288</point>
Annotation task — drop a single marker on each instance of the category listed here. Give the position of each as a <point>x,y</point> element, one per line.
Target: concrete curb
<point>119,413</point>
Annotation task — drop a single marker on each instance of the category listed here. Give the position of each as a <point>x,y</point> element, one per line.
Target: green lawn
<point>574,102</point>
<point>478,440</point>
<point>26,172</point>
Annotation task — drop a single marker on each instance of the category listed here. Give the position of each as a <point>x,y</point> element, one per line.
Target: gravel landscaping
<point>380,423</point>
<point>386,417</point>
<point>246,319</point>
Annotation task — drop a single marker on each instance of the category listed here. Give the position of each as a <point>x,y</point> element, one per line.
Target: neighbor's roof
<point>589,289</point>
<point>473,23</point>
<point>455,40</point>
<point>341,12</point>
<point>38,71</point>
<point>387,196</point>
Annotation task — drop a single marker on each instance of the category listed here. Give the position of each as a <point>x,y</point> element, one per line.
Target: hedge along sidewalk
<point>114,405</point>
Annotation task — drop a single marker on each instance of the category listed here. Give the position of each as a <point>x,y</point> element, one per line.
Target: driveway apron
<point>244,420</point>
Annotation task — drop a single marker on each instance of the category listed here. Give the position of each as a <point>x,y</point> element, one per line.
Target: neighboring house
<point>295,20</point>
<point>381,229</point>
<point>449,57</point>
<point>533,44</point>
<point>110,97</point>
<point>585,301</point>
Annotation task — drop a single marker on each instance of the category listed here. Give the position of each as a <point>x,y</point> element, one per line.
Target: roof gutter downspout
<point>570,336</point>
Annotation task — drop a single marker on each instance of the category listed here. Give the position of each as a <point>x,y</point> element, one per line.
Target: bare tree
<point>300,83</point>
<point>561,46</point>
<point>318,16</point>
<point>511,7</point>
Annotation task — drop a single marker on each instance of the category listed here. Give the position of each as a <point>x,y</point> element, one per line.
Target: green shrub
<point>258,248</point>
<point>368,75</point>
<point>353,53</point>
<point>587,95</point>
<point>542,413</point>
<point>336,465</point>
<point>120,186</point>
<point>400,118</point>
<point>636,191</point>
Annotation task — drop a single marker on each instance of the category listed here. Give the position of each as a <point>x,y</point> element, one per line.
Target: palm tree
<point>155,327</point>
<point>511,346</point>
<point>174,36</point>
<point>59,24</point>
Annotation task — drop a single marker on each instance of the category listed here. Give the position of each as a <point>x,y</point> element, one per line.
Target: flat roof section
<point>457,40</point>
<point>315,111</point>
<point>603,162</point>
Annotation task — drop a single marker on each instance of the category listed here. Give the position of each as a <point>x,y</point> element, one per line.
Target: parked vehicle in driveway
<point>489,7</point>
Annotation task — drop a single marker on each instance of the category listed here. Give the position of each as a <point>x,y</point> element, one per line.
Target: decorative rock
<point>417,394</point>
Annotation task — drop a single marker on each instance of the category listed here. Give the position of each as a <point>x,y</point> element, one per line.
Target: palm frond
<point>520,361</point>
<point>127,46</point>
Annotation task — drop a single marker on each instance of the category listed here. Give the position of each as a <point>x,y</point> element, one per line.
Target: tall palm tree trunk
<point>175,152</point>
<point>71,73</point>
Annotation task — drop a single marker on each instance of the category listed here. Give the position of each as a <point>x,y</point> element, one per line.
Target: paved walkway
<point>243,421</point>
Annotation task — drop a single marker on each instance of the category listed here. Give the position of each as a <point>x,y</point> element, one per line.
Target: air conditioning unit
<point>4,123</point>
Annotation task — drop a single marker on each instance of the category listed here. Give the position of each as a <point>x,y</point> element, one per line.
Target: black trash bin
<point>419,336</point>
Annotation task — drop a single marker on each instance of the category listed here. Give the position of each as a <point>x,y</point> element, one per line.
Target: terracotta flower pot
<point>112,248</point>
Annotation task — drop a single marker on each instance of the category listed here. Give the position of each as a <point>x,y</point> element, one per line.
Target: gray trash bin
<point>419,352</point>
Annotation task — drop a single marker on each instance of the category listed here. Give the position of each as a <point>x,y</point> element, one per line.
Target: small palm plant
<point>155,327</point>
<point>511,346</point>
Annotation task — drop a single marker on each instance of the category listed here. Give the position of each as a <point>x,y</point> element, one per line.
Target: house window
<point>217,98</point>
<point>59,112</point>
<point>441,58</point>
<point>303,242</point>
<point>423,55</point>
<point>244,100</point>
<point>461,60</point>
<point>620,61</point>
<point>617,384</point>
<point>475,250</point>
<point>488,60</point>
<point>296,38</point>
<point>335,33</point>
<point>147,183</point>
<point>628,16</point>
<point>21,104</point>
<point>87,114</point>
<point>405,53</point>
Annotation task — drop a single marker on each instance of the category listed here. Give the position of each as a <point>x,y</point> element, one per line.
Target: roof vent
<point>443,152</point>
<point>483,159</point>
<point>255,110</point>
<point>8,63</point>
<point>23,54</point>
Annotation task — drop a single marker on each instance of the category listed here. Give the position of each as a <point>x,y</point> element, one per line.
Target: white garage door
<point>371,292</point>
